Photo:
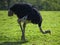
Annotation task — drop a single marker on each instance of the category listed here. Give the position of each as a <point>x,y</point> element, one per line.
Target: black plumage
<point>22,10</point>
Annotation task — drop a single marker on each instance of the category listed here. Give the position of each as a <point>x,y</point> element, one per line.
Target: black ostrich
<point>26,13</point>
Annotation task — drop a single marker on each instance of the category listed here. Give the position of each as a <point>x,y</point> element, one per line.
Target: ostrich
<point>26,13</point>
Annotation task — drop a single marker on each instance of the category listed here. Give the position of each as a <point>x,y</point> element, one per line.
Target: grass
<point>10,33</point>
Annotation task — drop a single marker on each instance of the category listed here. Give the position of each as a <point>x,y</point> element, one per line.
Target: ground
<point>10,32</point>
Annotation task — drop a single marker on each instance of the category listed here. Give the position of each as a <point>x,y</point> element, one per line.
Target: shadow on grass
<point>13,43</point>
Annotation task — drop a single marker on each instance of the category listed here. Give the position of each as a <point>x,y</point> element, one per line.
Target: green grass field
<point>10,32</point>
